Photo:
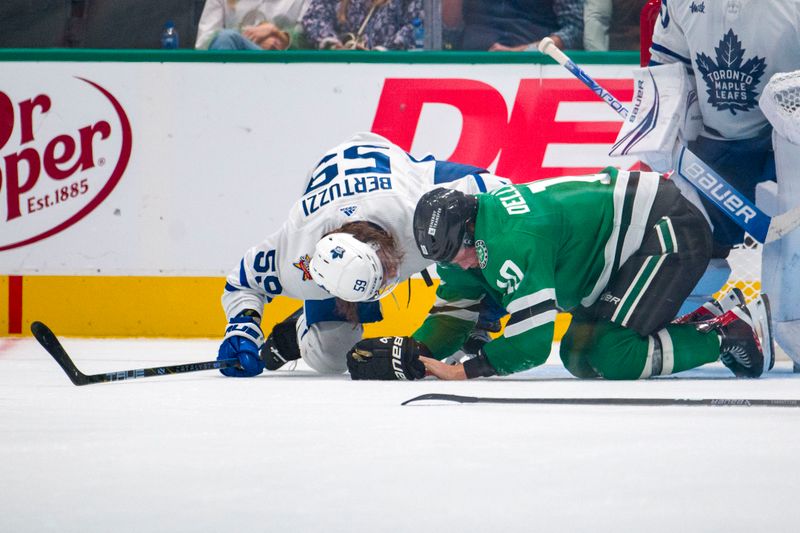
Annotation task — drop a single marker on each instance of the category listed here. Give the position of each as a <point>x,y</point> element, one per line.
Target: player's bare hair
<point>388,252</point>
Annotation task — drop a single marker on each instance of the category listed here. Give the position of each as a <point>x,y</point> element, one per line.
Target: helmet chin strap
<point>469,234</point>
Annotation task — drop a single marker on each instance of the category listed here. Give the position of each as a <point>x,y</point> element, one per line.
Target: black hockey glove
<point>387,358</point>
<point>281,345</point>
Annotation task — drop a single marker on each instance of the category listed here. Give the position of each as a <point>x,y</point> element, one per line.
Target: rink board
<point>131,306</point>
<point>149,180</point>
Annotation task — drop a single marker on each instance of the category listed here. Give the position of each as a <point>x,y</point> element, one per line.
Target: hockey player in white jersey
<point>354,216</point>
<point>731,49</point>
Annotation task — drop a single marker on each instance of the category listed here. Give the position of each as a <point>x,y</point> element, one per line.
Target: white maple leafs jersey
<point>366,178</point>
<point>732,47</point>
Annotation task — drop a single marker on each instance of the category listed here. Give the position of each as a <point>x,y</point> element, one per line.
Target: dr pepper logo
<point>62,152</point>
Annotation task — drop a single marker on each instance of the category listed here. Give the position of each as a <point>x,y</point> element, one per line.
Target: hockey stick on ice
<point>635,402</point>
<point>734,204</point>
<point>49,342</point>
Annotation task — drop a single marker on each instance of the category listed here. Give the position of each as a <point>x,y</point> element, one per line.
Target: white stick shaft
<point>547,46</point>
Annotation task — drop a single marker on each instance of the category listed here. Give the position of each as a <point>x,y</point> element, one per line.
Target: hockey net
<point>780,103</point>
<point>745,263</point>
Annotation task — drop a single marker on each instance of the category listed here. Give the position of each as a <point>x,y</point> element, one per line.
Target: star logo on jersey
<point>698,8</point>
<point>302,264</point>
<point>349,210</point>
<point>482,252</point>
<point>731,81</point>
<point>337,253</point>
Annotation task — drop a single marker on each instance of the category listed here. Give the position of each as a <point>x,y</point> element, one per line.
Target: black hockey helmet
<point>440,223</point>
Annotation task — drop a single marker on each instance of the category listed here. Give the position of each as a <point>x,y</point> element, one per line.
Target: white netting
<point>745,263</point>
<point>780,103</point>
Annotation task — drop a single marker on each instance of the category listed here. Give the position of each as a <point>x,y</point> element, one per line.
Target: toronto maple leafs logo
<point>337,253</point>
<point>731,82</point>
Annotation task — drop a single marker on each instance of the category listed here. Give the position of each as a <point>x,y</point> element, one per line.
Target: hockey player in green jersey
<point>619,250</point>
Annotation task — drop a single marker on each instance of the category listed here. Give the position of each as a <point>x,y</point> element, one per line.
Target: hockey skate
<point>713,308</point>
<point>745,338</point>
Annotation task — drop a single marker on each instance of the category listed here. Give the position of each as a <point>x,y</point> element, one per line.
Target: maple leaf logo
<point>731,81</point>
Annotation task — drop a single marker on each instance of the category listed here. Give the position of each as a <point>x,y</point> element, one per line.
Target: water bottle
<point>419,34</point>
<point>169,36</point>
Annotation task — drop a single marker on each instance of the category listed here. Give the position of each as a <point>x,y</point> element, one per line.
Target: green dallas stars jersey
<point>543,246</point>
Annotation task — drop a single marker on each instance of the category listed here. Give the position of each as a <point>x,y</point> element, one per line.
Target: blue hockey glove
<point>243,339</point>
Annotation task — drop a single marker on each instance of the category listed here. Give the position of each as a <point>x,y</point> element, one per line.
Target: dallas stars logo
<point>731,81</point>
<point>302,264</point>
<point>482,253</point>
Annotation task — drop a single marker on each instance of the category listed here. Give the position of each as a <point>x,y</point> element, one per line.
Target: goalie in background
<point>619,250</point>
<point>730,50</point>
<point>346,243</point>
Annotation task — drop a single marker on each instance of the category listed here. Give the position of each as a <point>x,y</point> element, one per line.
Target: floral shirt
<point>389,26</point>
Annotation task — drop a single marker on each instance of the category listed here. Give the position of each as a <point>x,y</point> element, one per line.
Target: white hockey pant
<point>324,345</point>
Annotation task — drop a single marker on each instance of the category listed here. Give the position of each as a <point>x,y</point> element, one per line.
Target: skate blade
<point>762,323</point>
<point>731,299</point>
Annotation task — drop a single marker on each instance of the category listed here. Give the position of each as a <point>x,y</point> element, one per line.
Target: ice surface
<point>298,452</point>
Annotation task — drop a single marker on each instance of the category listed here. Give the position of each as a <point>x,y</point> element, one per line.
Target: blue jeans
<point>232,40</point>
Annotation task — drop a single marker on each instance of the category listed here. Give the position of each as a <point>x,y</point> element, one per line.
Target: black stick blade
<point>442,397</point>
<point>619,402</point>
<point>49,342</point>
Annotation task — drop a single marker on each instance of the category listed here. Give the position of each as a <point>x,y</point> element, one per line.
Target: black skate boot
<point>745,338</point>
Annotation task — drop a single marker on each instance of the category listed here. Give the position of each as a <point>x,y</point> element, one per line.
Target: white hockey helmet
<point>347,268</point>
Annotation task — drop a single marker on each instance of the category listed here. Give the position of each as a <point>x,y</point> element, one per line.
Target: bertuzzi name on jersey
<point>366,178</point>
<point>342,189</point>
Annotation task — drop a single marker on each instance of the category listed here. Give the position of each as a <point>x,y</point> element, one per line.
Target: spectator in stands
<point>362,24</point>
<point>513,25</point>
<point>251,25</point>
<point>611,24</point>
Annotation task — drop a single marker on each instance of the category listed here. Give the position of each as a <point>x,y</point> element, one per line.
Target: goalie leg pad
<point>387,358</point>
